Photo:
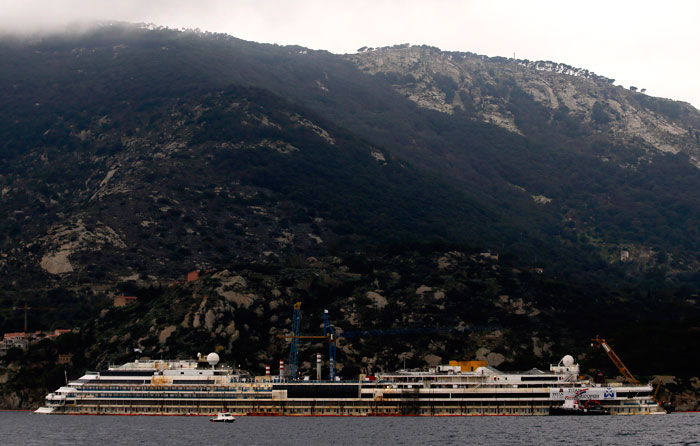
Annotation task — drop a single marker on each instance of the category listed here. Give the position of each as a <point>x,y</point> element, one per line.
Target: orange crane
<point>600,342</point>
<point>656,392</point>
<point>666,405</point>
<point>26,309</point>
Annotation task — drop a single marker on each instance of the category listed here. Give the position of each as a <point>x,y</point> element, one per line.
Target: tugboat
<point>223,417</point>
<point>574,407</point>
<point>668,406</point>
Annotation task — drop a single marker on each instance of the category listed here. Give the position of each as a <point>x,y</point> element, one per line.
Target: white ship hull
<point>183,388</point>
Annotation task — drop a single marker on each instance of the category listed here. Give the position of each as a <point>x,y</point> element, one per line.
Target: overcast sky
<point>652,45</point>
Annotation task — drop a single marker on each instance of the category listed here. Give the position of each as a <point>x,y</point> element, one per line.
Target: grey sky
<point>652,45</point>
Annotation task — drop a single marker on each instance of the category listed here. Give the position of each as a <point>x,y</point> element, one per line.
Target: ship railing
<point>323,381</point>
<point>173,398</point>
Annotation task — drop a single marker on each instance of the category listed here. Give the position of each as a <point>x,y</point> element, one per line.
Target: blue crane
<point>328,334</point>
<point>294,348</point>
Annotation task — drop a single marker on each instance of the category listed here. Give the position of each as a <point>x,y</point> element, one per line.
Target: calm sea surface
<point>26,428</point>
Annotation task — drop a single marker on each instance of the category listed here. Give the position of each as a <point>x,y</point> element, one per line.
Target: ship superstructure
<point>193,388</point>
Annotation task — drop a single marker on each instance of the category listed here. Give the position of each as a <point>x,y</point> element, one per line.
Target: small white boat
<point>223,417</point>
<point>573,406</point>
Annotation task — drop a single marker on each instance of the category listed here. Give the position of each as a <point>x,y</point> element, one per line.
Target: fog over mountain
<point>637,43</point>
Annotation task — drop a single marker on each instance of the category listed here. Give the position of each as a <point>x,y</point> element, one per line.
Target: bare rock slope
<point>448,81</point>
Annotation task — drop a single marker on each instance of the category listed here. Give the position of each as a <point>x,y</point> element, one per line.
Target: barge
<point>190,387</point>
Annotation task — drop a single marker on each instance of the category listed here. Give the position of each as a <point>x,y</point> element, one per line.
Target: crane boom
<point>600,342</point>
<point>302,337</point>
<point>26,308</point>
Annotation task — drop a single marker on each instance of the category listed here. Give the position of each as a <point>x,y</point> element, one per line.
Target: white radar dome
<point>567,360</point>
<point>213,359</point>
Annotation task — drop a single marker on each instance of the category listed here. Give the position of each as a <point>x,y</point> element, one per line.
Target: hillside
<point>416,307</point>
<point>616,166</point>
<point>229,175</point>
<point>525,199</point>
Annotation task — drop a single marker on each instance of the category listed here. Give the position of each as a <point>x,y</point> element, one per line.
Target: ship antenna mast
<point>328,331</point>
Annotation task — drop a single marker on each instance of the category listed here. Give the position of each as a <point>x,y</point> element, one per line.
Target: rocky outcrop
<point>63,240</point>
<point>57,262</point>
<point>379,300</point>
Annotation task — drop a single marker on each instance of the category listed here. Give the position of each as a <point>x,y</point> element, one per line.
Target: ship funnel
<point>318,367</point>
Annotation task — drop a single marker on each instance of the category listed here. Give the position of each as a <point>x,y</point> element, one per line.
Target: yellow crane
<point>600,342</point>
<point>656,392</point>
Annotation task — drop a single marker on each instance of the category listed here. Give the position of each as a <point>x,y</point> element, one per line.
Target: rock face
<point>432,360</point>
<point>64,239</point>
<point>165,333</point>
<point>379,300</point>
<point>56,263</point>
<point>450,81</point>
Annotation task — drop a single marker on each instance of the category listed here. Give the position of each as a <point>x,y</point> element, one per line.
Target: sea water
<point>26,428</point>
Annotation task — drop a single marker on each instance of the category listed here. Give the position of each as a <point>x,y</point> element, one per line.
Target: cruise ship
<point>461,388</point>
